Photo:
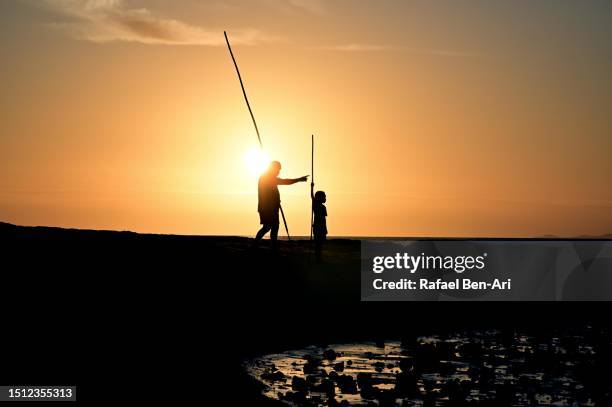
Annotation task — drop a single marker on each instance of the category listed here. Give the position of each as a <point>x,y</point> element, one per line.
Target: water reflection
<point>481,368</point>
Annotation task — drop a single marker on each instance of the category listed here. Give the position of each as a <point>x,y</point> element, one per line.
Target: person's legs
<point>318,247</point>
<point>274,233</point>
<point>319,239</point>
<point>262,232</point>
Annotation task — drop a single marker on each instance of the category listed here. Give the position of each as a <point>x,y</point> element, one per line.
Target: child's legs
<point>319,236</point>
<point>318,241</point>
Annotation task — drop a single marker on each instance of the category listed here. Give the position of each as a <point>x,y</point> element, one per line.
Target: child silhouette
<point>319,225</point>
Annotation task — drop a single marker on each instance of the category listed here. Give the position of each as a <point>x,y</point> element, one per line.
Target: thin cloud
<point>113,20</point>
<point>312,6</point>
<point>380,47</point>
<point>296,6</point>
<point>355,47</point>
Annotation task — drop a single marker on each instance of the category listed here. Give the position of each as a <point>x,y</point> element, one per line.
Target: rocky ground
<point>473,368</point>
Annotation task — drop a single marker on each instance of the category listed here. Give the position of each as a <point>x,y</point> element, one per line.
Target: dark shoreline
<point>152,307</point>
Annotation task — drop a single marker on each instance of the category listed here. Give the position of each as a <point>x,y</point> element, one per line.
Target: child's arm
<point>312,191</point>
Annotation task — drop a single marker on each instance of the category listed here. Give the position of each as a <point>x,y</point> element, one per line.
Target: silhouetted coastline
<point>151,307</point>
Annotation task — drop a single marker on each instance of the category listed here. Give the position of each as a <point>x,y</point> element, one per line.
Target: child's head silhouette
<point>320,197</point>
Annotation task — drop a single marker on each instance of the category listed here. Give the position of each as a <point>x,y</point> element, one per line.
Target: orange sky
<point>457,118</point>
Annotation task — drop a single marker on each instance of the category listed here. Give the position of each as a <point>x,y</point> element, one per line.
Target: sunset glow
<point>256,161</point>
<point>429,120</point>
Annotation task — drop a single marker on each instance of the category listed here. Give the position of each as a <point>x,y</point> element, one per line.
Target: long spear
<point>246,99</point>
<point>312,181</point>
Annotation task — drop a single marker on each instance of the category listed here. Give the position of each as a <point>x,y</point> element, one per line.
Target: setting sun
<point>423,125</point>
<point>256,161</point>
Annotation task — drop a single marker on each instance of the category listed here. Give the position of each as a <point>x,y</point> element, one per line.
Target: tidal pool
<point>476,368</point>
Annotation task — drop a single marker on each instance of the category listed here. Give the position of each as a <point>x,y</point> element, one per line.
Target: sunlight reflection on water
<point>475,367</point>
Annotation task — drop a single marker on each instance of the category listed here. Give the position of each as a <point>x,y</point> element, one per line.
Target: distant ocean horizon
<point>543,237</point>
<point>606,236</point>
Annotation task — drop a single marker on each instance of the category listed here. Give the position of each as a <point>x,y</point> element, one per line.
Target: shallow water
<point>437,371</point>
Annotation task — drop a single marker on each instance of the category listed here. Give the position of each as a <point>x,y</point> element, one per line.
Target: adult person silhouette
<point>269,200</point>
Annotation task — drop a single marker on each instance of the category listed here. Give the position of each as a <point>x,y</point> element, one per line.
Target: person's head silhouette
<point>320,197</point>
<point>274,168</point>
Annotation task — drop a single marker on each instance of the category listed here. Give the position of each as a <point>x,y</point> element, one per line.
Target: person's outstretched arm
<point>312,191</point>
<point>289,181</point>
